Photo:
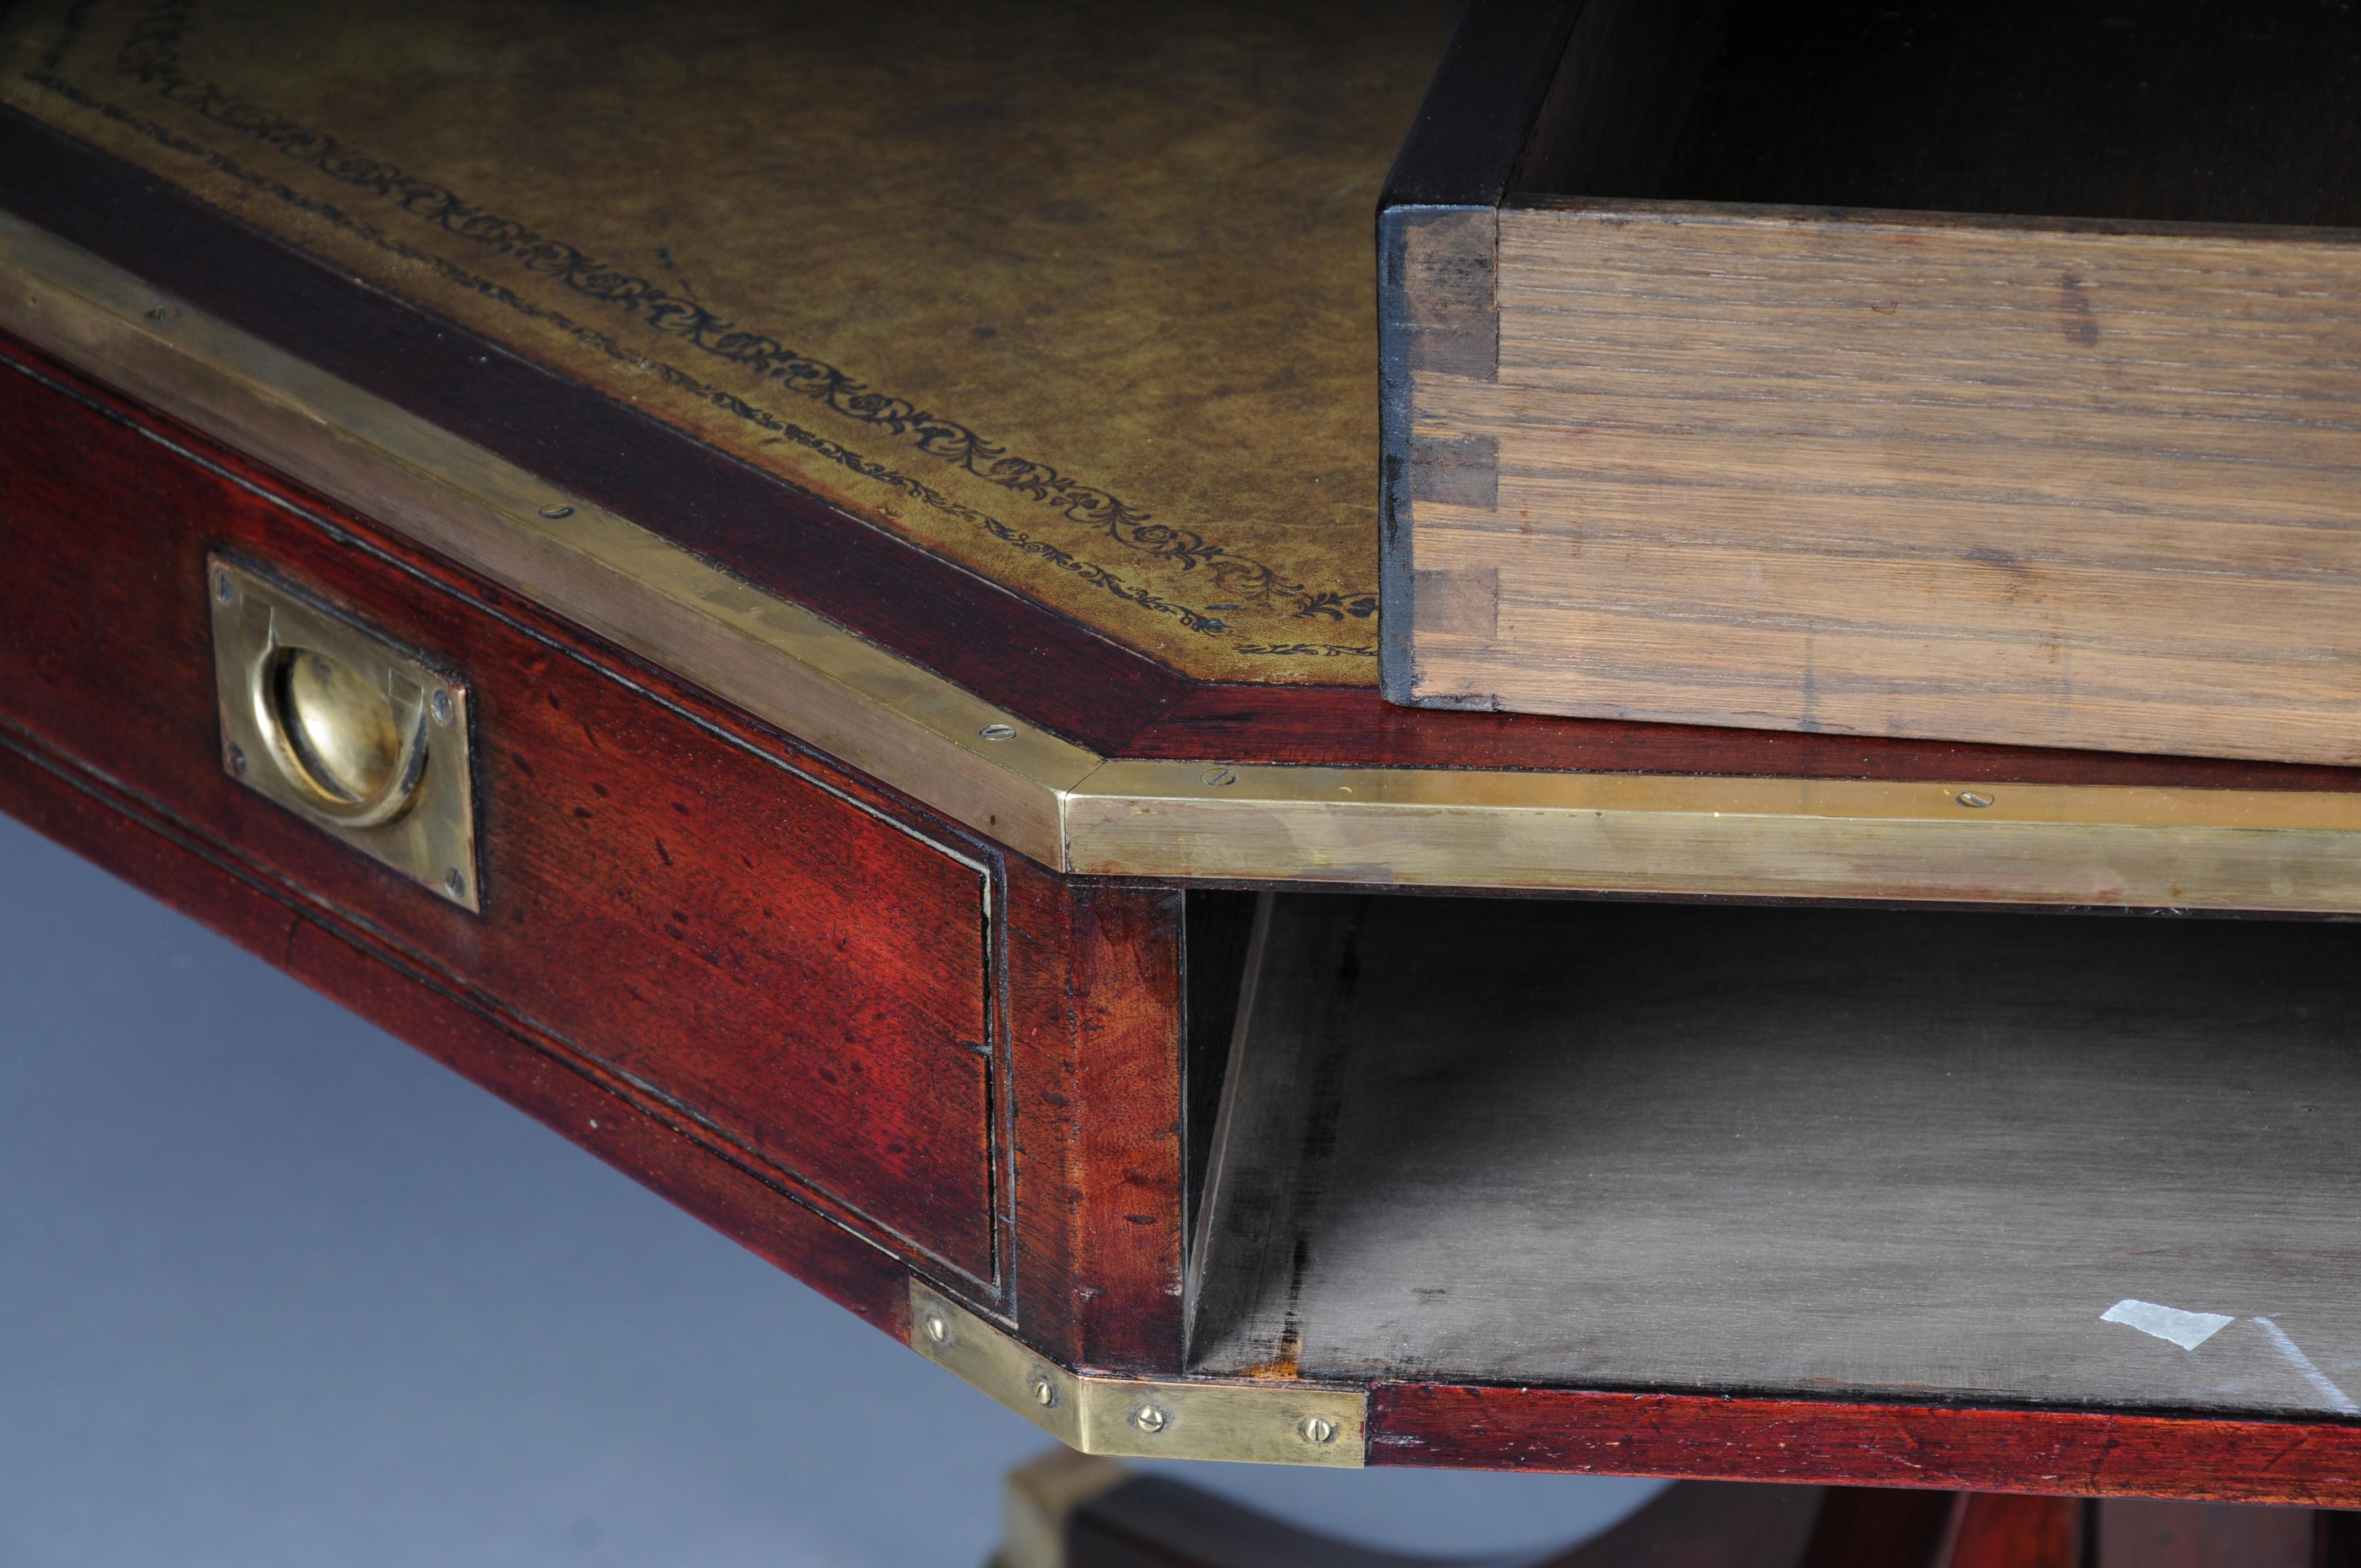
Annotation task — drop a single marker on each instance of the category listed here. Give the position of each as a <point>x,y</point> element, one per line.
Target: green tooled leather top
<point>1078,297</point>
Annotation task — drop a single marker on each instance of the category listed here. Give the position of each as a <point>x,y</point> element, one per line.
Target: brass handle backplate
<point>345,727</point>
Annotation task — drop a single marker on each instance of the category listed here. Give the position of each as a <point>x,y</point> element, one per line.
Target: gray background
<point>276,1289</point>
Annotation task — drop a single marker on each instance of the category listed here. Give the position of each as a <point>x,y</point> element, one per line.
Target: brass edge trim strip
<point>1253,1420</point>
<point>1766,838</point>
<point>776,660</point>
<point>1073,810</point>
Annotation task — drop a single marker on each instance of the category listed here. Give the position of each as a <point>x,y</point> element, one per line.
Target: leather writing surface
<point>1079,297</point>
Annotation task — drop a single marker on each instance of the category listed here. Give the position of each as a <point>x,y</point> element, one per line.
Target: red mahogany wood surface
<point>143,845</point>
<point>739,933</point>
<point>1094,977</point>
<point>2058,1452</point>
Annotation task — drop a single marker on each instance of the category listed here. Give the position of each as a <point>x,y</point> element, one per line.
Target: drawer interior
<point>2177,110</point>
<point>1902,1154</point>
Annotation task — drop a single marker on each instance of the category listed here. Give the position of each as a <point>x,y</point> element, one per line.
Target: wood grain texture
<point>2053,485</point>
<point>543,1076</point>
<point>1707,1436</point>
<point>712,921</point>
<point>1097,1050</point>
<point>1810,1152</point>
<point>2019,1532</point>
<point>1352,726</point>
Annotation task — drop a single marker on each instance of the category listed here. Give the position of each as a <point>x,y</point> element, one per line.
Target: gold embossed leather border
<point>1269,589</point>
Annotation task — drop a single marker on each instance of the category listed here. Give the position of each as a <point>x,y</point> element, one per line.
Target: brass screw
<point>221,589</point>
<point>1220,776</point>
<point>1970,797</point>
<point>1149,1419</point>
<point>553,512</point>
<point>454,883</point>
<point>442,706</point>
<point>937,1329</point>
<point>238,759</point>
<point>1318,1428</point>
<point>1044,1391</point>
<point>997,732</point>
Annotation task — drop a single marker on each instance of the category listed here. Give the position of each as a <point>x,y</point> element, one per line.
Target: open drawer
<point>2049,1160</point>
<point>1984,373</point>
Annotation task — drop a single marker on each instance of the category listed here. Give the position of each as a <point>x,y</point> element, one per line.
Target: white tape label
<point>2187,1330</point>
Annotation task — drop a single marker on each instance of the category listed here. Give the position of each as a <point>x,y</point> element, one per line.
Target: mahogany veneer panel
<point>749,939</point>
<point>1893,1444</point>
<point>149,848</point>
<point>1671,450</point>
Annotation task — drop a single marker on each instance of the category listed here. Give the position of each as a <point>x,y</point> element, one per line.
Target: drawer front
<point>748,943</point>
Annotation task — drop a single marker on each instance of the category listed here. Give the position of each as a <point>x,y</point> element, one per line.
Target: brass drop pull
<point>342,726</point>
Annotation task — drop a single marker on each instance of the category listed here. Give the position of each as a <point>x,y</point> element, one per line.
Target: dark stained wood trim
<point>1354,727</point>
<point>1464,145</point>
<point>2051,1452</point>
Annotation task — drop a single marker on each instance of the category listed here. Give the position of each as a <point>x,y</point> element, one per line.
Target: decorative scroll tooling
<point>150,54</point>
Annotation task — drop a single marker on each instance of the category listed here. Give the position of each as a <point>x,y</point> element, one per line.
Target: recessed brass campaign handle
<point>340,724</point>
<point>356,749</point>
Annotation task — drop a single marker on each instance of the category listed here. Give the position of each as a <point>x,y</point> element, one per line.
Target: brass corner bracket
<point>1256,1421</point>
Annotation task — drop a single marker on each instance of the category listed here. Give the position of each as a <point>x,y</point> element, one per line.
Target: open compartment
<point>2173,111</point>
<point>1973,372</point>
<point>1916,1154</point>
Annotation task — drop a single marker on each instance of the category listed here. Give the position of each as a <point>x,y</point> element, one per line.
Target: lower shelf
<point>1818,1152</point>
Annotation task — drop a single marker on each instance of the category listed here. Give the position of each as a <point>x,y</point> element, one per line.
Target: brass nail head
<point>938,1329</point>
<point>1044,1391</point>
<point>1318,1428</point>
<point>454,883</point>
<point>997,732</point>
<point>1970,797</point>
<point>442,706</point>
<point>553,512</point>
<point>1149,1419</point>
<point>238,759</point>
